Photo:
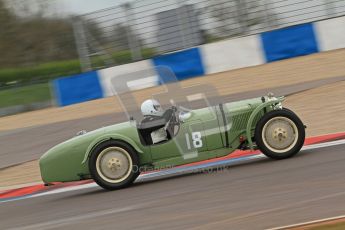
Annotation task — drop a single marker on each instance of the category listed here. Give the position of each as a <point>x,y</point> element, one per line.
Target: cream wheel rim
<point>280,134</point>
<point>114,164</point>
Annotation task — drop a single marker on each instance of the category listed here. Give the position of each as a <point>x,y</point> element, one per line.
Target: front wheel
<point>114,165</point>
<point>280,134</point>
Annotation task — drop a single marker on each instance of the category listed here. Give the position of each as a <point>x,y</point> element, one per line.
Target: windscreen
<point>162,84</point>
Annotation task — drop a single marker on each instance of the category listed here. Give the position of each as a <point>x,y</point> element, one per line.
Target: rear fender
<point>110,137</point>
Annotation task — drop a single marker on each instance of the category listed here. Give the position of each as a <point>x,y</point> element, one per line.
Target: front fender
<point>108,137</point>
<point>256,111</point>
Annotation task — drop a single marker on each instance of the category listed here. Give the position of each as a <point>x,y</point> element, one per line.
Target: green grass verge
<point>52,70</point>
<point>41,72</point>
<point>25,95</point>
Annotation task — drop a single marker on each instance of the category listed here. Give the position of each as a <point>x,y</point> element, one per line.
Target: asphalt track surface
<point>27,144</point>
<point>257,195</point>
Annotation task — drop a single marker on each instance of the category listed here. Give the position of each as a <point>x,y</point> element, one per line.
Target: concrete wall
<point>232,54</point>
<point>331,33</point>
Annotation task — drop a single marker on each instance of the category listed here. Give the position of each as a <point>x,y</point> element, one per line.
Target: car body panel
<point>208,133</point>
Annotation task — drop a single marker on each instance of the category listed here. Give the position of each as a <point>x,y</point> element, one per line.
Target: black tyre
<point>280,134</point>
<point>114,165</point>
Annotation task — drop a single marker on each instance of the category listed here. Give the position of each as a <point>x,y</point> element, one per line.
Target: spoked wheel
<point>280,134</point>
<point>114,165</point>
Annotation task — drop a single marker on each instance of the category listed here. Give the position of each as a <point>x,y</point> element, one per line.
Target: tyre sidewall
<point>93,169</point>
<point>280,113</point>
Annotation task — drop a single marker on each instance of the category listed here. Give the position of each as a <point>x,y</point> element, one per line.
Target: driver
<point>152,111</point>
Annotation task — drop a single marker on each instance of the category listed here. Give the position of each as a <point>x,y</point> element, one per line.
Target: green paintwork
<point>68,161</point>
<point>255,114</point>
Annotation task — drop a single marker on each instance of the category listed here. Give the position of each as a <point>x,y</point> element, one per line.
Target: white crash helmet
<point>151,108</point>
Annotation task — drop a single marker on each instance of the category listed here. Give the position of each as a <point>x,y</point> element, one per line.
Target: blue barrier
<point>277,45</point>
<point>77,89</point>
<point>185,64</point>
<point>289,42</point>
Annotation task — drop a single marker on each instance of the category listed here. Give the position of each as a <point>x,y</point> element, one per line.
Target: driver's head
<point>151,108</point>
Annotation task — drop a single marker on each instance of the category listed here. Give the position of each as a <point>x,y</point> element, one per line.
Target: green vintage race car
<point>114,156</point>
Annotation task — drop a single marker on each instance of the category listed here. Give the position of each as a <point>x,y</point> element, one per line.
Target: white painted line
<point>323,145</point>
<point>67,189</point>
<point>308,223</point>
<point>179,170</point>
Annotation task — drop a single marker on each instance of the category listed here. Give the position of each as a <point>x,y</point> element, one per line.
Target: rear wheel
<point>114,165</point>
<point>280,134</point>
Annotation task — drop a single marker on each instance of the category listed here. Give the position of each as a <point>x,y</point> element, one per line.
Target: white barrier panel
<point>106,75</point>
<point>232,54</point>
<point>330,33</point>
